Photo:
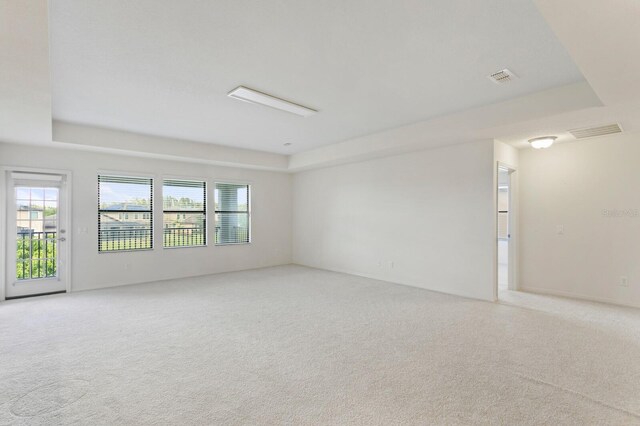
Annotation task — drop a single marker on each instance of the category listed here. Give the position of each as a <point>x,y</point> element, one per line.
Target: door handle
<point>62,239</point>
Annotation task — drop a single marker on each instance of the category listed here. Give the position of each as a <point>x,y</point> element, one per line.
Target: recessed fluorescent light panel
<point>255,97</point>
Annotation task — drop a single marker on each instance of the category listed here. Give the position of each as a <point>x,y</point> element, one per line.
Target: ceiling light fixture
<point>253,96</point>
<point>542,142</point>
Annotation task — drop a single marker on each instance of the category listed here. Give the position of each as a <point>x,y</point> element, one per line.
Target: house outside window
<point>118,196</point>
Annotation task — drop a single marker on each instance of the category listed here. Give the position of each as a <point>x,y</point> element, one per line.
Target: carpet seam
<point>584,396</point>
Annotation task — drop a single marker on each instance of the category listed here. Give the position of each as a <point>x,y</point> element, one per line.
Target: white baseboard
<point>388,280</point>
<point>539,290</point>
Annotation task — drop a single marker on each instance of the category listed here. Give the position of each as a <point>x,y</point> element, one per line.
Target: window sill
<point>123,251</point>
<point>184,247</point>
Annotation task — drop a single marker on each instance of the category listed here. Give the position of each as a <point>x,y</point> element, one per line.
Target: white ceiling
<point>603,39</point>
<point>25,91</point>
<point>163,67</point>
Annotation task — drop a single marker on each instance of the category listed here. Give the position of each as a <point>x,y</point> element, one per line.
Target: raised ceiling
<point>164,67</point>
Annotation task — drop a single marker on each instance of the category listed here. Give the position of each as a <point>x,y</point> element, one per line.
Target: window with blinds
<point>125,213</point>
<point>185,213</point>
<point>232,205</point>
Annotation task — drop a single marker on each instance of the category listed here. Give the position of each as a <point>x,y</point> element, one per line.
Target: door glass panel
<point>36,232</point>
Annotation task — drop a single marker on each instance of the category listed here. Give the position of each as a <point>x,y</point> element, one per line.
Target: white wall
<point>271,218</point>
<point>431,213</point>
<point>137,144</point>
<point>571,185</point>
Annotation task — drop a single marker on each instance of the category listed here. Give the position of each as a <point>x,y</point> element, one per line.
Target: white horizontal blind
<point>185,213</point>
<point>125,213</point>
<point>44,180</point>
<point>232,204</point>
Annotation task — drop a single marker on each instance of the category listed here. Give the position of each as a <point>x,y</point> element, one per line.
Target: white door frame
<point>513,226</point>
<point>4,238</point>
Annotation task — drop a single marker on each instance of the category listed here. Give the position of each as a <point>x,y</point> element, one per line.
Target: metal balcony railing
<point>36,254</point>
<point>184,237</point>
<point>125,239</point>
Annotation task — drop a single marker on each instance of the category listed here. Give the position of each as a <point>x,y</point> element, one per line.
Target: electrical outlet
<point>624,281</point>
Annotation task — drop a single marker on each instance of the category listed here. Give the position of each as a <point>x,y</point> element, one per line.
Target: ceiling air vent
<point>592,132</point>
<point>502,76</point>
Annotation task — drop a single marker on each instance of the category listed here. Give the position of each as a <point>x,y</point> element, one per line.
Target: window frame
<point>124,213</point>
<point>204,212</point>
<point>248,212</point>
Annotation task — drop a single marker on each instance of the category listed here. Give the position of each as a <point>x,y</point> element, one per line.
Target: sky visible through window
<point>179,191</point>
<point>24,193</point>
<point>115,193</point>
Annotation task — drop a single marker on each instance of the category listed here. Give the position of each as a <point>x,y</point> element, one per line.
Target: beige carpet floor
<point>293,345</point>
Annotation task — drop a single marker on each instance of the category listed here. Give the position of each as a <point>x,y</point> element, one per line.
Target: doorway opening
<point>504,230</point>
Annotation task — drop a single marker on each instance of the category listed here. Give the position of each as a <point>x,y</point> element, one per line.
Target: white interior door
<point>36,229</point>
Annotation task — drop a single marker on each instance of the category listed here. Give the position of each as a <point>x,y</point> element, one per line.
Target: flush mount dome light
<point>542,142</point>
